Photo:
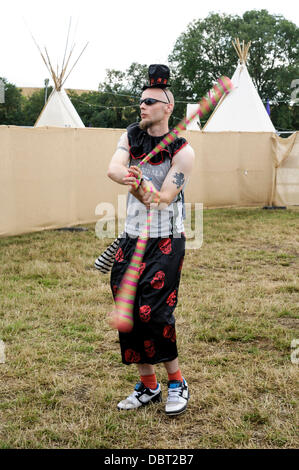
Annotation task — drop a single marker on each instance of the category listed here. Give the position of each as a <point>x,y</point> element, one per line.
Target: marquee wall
<point>55,177</point>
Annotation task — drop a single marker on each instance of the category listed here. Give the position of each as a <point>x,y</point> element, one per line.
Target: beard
<point>145,124</point>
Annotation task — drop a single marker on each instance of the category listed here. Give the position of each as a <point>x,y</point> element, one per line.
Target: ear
<point>170,108</point>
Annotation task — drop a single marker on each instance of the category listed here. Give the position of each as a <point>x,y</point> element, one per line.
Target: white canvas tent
<point>59,110</point>
<point>194,125</point>
<point>242,110</point>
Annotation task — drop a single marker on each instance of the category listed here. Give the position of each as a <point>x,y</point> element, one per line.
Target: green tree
<point>116,103</point>
<point>33,106</point>
<point>295,116</point>
<point>11,112</point>
<point>130,81</point>
<point>105,108</point>
<point>204,52</point>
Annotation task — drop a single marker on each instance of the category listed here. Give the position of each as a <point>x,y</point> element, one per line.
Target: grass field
<point>236,317</point>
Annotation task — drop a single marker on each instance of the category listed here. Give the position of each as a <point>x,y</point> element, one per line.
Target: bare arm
<point>177,176</point>
<point>118,167</point>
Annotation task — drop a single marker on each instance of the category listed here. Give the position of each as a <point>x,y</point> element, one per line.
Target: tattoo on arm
<point>179,179</point>
<point>122,148</point>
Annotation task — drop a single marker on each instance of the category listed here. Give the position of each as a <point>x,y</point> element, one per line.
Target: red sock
<point>150,381</point>
<point>175,376</point>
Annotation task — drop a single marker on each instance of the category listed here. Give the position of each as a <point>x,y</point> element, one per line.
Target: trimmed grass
<point>236,317</point>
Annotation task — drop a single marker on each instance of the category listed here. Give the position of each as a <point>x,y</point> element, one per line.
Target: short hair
<point>169,95</point>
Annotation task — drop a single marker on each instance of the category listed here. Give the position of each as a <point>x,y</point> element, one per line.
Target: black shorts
<point>153,337</point>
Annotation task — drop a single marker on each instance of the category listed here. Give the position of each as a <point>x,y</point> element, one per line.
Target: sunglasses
<point>150,101</point>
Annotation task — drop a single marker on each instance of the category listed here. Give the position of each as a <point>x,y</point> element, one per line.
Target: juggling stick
<point>122,317</point>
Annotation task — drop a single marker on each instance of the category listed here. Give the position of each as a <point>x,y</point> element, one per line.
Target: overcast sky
<point>119,32</point>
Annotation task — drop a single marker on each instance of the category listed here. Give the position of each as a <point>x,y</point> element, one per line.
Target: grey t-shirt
<point>164,222</point>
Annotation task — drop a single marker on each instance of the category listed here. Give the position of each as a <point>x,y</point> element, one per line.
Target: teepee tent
<point>194,125</point>
<point>59,110</point>
<point>242,109</point>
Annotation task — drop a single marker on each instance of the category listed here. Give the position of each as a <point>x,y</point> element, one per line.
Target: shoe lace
<point>174,393</point>
<point>135,395</point>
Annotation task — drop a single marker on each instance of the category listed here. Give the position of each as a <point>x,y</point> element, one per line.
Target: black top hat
<point>158,76</point>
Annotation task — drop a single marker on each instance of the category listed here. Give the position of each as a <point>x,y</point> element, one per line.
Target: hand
<point>151,196</point>
<point>133,177</point>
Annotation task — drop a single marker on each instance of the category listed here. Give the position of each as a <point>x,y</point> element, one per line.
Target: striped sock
<point>175,376</point>
<point>149,381</point>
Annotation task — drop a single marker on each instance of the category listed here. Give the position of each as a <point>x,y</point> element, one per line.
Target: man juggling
<point>145,276</point>
<point>152,338</point>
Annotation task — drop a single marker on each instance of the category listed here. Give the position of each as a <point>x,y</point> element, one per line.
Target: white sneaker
<point>140,397</point>
<point>178,396</point>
